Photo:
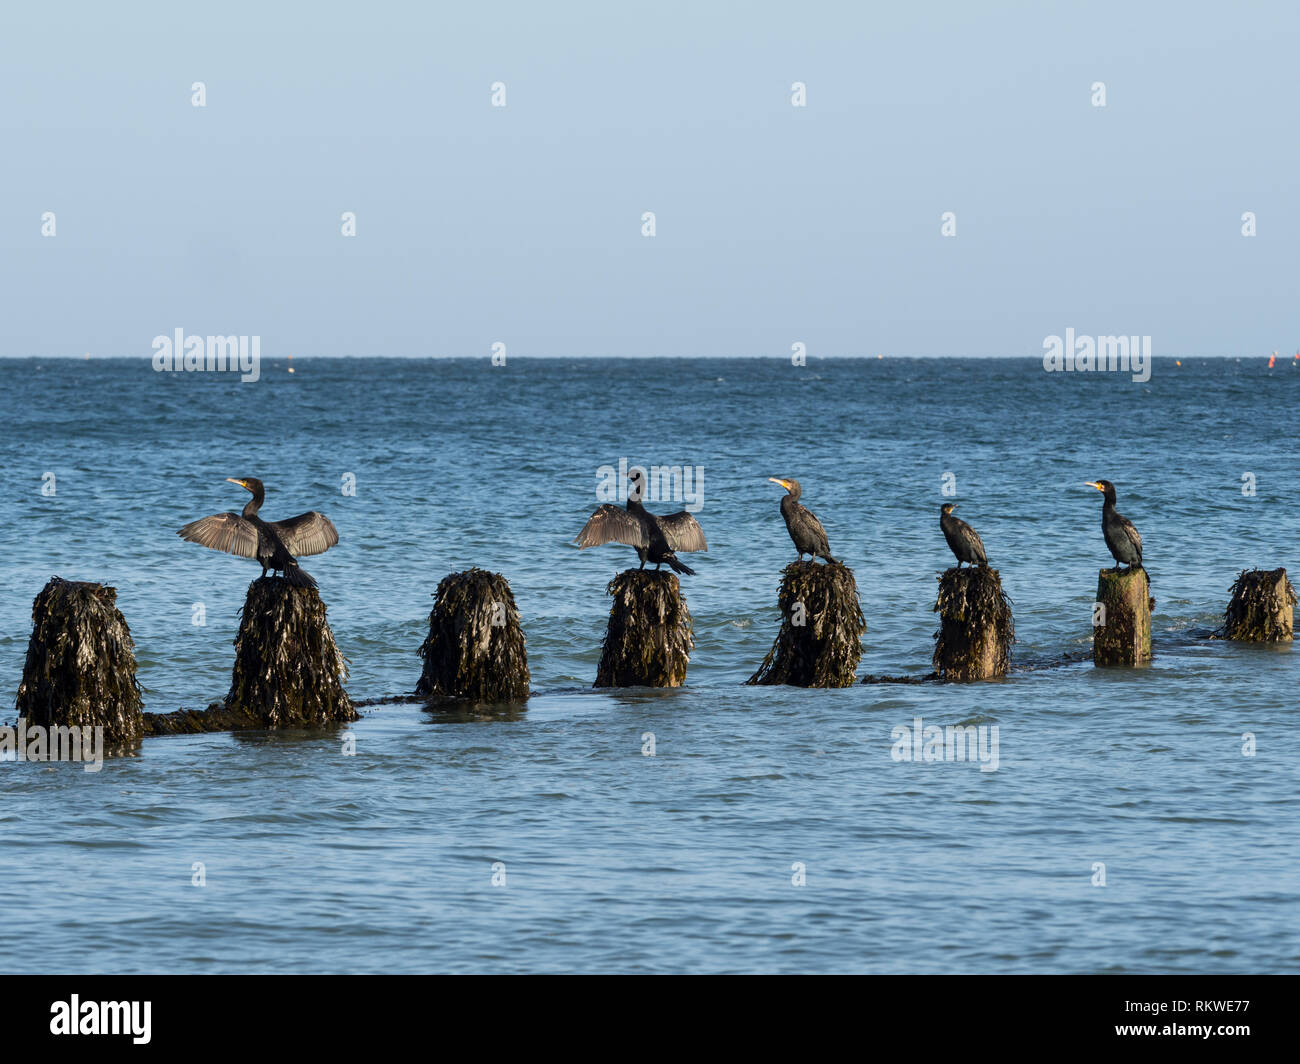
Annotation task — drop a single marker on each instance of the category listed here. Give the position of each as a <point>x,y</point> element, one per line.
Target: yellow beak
<point>781,482</point>
<point>232,480</point>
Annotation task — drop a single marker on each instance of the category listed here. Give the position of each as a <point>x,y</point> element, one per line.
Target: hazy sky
<point>775,224</point>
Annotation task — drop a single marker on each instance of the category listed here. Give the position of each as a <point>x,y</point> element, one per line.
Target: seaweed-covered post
<point>1262,609</point>
<point>820,641</point>
<point>80,667</point>
<point>976,628</point>
<point>1121,633</point>
<point>288,671</point>
<point>475,647</point>
<point>649,639</point>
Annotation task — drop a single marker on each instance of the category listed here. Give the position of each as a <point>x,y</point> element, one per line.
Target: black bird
<point>963,540</point>
<point>1123,539</point>
<point>655,538</point>
<point>802,524</point>
<point>272,543</point>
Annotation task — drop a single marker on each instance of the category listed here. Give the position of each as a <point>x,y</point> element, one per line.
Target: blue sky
<point>774,224</point>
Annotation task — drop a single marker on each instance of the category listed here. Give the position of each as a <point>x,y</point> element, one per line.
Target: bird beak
<point>1090,484</point>
<point>232,480</point>
<point>954,506</point>
<point>781,482</point>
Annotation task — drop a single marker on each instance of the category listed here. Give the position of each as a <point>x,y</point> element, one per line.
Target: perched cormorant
<point>655,538</point>
<point>963,540</point>
<point>1123,539</point>
<point>272,543</point>
<point>804,528</point>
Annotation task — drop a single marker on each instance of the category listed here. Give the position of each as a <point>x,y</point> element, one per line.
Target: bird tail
<point>676,566</point>
<point>296,577</point>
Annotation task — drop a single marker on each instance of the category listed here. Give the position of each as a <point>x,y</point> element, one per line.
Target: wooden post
<point>1262,609</point>
<point>288,671</point>
<point>976,628</point>
<point>649,639</point>
<point>80,667</point>
<point>475,648</point>
<point>820,641</point>
<point>1121,633</point>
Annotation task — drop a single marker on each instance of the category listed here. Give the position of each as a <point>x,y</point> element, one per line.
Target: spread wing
<point>228,532</point>
<point>309,533</point>
<point>683,532</point>
<point>611,523</point>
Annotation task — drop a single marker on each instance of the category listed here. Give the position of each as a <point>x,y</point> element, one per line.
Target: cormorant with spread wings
<point>656,539</point>
<point>273,543</point>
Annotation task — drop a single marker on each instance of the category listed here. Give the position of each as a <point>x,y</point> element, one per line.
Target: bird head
<point>1103,486</point>
<point>789,483</point>
<point>249,483</point>
<point>636,484</point>
<point>947,508</point>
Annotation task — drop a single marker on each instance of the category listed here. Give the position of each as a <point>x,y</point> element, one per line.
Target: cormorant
<point>963,540</point>
<point>272,543</point>
<point>1123,539</point>
<point>655,538</point>
<point>802,524</point>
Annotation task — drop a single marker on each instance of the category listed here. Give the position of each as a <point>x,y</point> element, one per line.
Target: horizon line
<point>87,356</point>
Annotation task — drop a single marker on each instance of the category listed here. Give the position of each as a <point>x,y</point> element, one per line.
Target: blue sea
<point>1128,827</point>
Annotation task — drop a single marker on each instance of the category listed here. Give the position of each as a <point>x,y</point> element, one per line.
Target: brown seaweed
<point>976,628</point>
<point>1262,608</point>
<point>80,667</point>
<point>475,649</point>
<point>650,635</point>
<point>216,718</point>
<point>289,672</point>
<point>820,640</point>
